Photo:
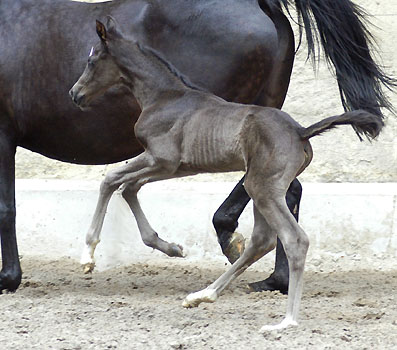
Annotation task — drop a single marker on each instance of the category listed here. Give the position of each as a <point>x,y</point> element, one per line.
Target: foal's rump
<point>272,146</point>
<point>277,149</point>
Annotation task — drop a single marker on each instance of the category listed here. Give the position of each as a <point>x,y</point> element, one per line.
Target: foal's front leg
<point>136,168</point>
<point>148,234</point>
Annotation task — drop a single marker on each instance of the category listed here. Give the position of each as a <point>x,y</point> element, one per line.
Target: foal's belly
<point>211,163</point>
<point>212,149</point>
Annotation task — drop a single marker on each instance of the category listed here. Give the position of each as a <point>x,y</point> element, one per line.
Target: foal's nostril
<point>78,99</point>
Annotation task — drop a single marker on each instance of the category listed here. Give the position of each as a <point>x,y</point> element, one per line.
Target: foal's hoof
<point>89,267</point>
<point>202,296</point>
<point>176,251</point>
<point>235,248</point>
<point>286,323</point>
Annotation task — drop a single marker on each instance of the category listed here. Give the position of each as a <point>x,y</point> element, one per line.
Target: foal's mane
<point>148,51</point>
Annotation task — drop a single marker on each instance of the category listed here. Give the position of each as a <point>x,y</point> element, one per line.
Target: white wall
<point>341,220</point>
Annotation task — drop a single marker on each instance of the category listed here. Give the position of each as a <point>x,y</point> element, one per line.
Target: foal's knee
<point>109,183</point>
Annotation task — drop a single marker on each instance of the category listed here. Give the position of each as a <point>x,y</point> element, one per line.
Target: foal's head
<point>102,70</point>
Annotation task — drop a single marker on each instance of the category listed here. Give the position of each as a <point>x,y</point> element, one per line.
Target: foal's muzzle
<point>77,97</point>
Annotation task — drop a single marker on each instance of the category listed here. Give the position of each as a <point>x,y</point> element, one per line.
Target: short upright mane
<point>183,78</point>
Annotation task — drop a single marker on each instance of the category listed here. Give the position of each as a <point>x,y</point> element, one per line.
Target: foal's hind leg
<point>274,208</point>
<point>278,280</point>
<point>262,241</point>
<point>232,243</point>
<point>149,236</point>
<point>295,243</point>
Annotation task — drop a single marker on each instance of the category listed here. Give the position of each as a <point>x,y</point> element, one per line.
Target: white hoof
<point>88,268</point>
<point>87,259</point>
<point>202,296</point>
<point>282,325</point>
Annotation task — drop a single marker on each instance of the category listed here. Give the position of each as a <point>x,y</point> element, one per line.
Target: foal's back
<point>219,136</point>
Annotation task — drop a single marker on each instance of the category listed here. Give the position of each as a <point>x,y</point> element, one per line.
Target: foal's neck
<point>147,75</point>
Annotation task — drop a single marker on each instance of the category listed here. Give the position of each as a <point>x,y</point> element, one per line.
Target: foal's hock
<point>186,131</point>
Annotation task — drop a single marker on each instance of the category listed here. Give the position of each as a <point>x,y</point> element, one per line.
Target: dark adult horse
<point>222,45</point>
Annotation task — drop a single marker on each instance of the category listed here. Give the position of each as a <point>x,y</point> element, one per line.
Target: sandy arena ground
<point>139,307</point>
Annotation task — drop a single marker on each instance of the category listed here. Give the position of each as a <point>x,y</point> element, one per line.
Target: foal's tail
<point>364,123</point>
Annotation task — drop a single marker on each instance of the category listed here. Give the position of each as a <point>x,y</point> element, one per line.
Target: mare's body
<point>43,50</point>
<point>241,50</point>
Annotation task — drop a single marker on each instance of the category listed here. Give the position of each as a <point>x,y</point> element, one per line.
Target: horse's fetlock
<point>150,240</point>
<point>91,241</point>
<point>10,279</point>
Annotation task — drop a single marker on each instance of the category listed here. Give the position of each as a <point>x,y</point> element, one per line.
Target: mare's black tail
<point>341,28</point>
<point>364,123</point>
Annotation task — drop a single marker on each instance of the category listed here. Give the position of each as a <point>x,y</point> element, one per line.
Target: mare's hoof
<point>10,281</point>
<point>270,284</point>
<point>235,248</point>
<point>88,267</point>
<point>176,251</point>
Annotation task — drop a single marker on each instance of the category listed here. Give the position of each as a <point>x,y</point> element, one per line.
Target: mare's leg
<point>148,234</point>
<point>278,280</point>
<point>262,241</point>
<point>225,222</point>
<point>10,275</point>
<point>140,166</point>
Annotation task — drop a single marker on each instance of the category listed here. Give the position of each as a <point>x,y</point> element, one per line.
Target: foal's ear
<point>113,27</point>
<point>101,30</point>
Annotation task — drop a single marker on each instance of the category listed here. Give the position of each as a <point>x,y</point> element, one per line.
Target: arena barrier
<point>341,219</point>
